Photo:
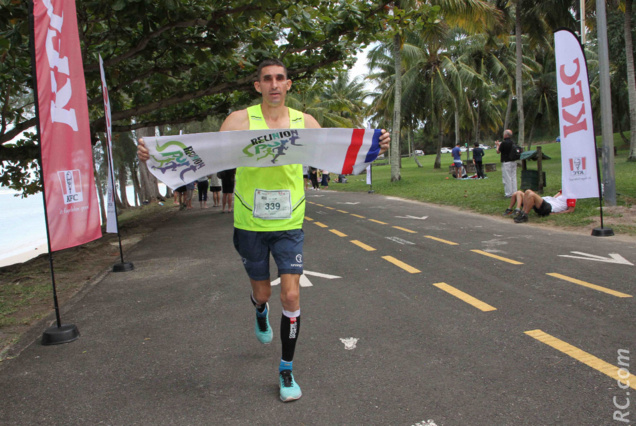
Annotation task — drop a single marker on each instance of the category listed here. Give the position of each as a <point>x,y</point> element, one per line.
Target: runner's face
<point>273,85</point>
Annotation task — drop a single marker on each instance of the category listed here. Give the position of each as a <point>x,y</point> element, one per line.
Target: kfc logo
<point>577,166</point>
<point>71,186</point>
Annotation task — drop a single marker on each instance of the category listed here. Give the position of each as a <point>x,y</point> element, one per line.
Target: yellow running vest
<point>275,195</point>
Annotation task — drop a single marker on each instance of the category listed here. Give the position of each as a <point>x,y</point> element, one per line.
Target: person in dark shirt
<point>509,167</point>
<point>478,155</point>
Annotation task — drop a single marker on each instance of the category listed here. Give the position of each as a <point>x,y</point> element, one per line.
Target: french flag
<point>361,150</point>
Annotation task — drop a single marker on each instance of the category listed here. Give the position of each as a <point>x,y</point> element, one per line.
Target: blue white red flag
<point>181,159</point>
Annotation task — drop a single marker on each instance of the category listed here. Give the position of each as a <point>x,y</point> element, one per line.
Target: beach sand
<point>24,256</point>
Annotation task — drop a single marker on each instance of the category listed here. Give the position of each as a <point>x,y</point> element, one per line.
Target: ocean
<point>22,225</point>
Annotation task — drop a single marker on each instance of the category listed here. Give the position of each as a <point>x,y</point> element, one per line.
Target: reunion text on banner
<point>181,159</point>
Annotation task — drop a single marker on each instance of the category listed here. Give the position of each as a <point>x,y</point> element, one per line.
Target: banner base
<point>123,267</point>
<point>602,232</point>
<point>55,335</point>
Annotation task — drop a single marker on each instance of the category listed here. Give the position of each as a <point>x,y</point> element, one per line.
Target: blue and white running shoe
<point>262,329</point>
<point>289,389</point>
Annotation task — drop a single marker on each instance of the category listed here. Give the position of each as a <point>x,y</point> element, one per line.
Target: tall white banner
<point>111,211</point>
<point>578,144</point>
<point>181,159</point>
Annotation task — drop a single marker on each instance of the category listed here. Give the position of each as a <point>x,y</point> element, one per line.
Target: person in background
<point>478,155</point>
<point>227,184</point>
<point>202,188</point>
<point>313,177</point>
<point>324,182</point>
<point>457,161</point>
<point>509,166</point>
<point>544,206</point>
<point>189,193</point>
<point>215,188</point>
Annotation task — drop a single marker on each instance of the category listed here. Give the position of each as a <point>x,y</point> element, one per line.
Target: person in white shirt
<point>544,205</point>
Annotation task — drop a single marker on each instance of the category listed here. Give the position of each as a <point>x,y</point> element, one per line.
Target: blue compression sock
<point>285,365</point>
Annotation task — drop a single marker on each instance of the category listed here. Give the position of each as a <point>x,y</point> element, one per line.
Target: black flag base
<point>55,335</point>
<point>123,267</point>
<point>602,232</point>
<point>371,191</point>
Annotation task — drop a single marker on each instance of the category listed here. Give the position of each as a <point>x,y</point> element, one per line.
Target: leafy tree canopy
<point>170,62</point>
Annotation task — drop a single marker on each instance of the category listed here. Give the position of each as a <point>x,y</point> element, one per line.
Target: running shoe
<point>289,389</point>
<point>507,212</point>
<point>521,218</point>
<point>263,331</point>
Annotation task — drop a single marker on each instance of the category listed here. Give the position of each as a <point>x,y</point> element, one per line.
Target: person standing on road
<point>215,187</point>
<point>509,166</point>
<point>273,221</point>
<point>202,188</point>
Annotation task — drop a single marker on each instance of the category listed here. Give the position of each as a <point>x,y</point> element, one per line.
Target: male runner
<point>268,216</point>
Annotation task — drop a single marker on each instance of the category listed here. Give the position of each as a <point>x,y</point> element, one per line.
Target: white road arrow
<point>304,281</point>
<point>408,216</point>
<point>614,258</point>
<point>351,203</point>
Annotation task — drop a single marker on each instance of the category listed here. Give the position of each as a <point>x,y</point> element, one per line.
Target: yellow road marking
<point>485,307</point>
<point>401,264</point>
<point>342,211</point>
<point>582,356</point>
<point>442,241</point>
<point>319,204</point>
<point>308,218</point>
<point>377,221</point>
<point>330,208</point>
<point>592,286</point>
<point>357,215</point>
<point>405,230</point>
<point>494,256</point>
<point>338,233</point>
<point>362,245</point>
<point>322,225</point>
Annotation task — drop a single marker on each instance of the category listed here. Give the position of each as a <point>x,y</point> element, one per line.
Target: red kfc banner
<point>67,158</point>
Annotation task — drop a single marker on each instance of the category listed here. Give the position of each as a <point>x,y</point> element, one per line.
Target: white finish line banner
<point>181,159</point>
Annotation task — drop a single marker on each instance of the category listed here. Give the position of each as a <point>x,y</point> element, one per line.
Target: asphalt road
<point>411,314</point>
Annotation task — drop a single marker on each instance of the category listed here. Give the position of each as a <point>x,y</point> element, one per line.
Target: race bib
<point>274,204</point>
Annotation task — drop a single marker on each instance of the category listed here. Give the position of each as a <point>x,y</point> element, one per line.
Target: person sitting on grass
<point>544,205</point>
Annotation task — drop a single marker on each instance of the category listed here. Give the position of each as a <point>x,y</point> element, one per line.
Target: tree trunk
<point>631,79</point>
<point>122,179</point>
<point>397,110</point>
<point>440,141</point>
<point>508,111</point>
<point>148,183</point>
<point>136,186</point>
<point>519,76</point>
<point>478,124</point>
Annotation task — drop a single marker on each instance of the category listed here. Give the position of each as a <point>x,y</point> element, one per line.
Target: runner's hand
<point>385,139</point>
<point>142,151</point>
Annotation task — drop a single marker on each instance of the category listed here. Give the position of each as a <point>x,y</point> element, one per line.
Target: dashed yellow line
<point>362,245</point>
<point>377,221</point>
<point>442,241</point>
<point>308,218</point>
<point>357,215</point>
<point>407,268</point>
<point>330,208</point>
<point>482,306</point>
<point>342,211</point>
<point>405,230</point>
<point>319,204</point>
<point>338,233</point>
<point>322,225</point>
<point>494,256</point>
<point>589,285</point>
<point>583,357</point>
